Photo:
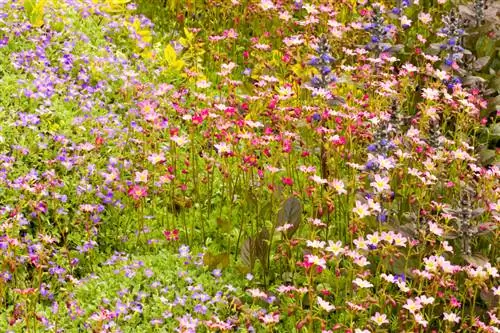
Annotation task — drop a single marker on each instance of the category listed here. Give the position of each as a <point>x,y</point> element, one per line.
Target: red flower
<point>171,235</point>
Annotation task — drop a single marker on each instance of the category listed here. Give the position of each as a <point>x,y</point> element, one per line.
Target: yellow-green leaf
<point>169,54</point>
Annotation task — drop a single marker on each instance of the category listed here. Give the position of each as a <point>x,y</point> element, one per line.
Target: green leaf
<point>224,225</point>
<point>485,46</point>
<point>220,260</point>
<point>35,11</point>
<point>169,54</point>
<point>487,156</point>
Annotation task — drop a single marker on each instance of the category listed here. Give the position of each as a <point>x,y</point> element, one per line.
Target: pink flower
<point>454,302</point>
<point>137,192</point>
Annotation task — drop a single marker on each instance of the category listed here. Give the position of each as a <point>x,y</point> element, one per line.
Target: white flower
<point>180,140</point>
<point>316,244</point>
<point>267,5</point>
<point>361,209</point>
<point>420,319</point>
<point>380,183</point>
<point>338,185</point>
<point>312,259</point>
<point>359,330</point>
<point>425,18</point>
<point>335,248</point>
<point>447,247</point>
<point>435,229</point>
<point>429,93</point>
<point>257,293</point>
<point>373,239</point>
<point>412,305</point>
<point>405,21</point>
<point>362,283</point>
<point>402,286</point>
<point>325,305</point>
<point>141,177</point>
<point>318,180</point>
<point>426,300</point>
<point>451,317</point>
<point>222,148</point>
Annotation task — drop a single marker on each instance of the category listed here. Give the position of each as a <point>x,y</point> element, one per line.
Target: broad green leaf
<point>475,259</point>
<point>290,213</point>
<point>169,54</point>
<point>247,253</point>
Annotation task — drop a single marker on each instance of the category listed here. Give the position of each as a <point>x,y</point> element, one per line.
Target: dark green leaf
<point>489,298</point>
<point>290,213</point>
<point>480,63</point>
<point>248,253</point>
<point>485,228</point>
<point>475,259</point>
<point>220,260</point>
<point>487,156</point>
<point>224,225</point>
<point>450,235</point>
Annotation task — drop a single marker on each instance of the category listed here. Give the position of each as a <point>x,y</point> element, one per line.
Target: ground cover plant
<point>249,166</point>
